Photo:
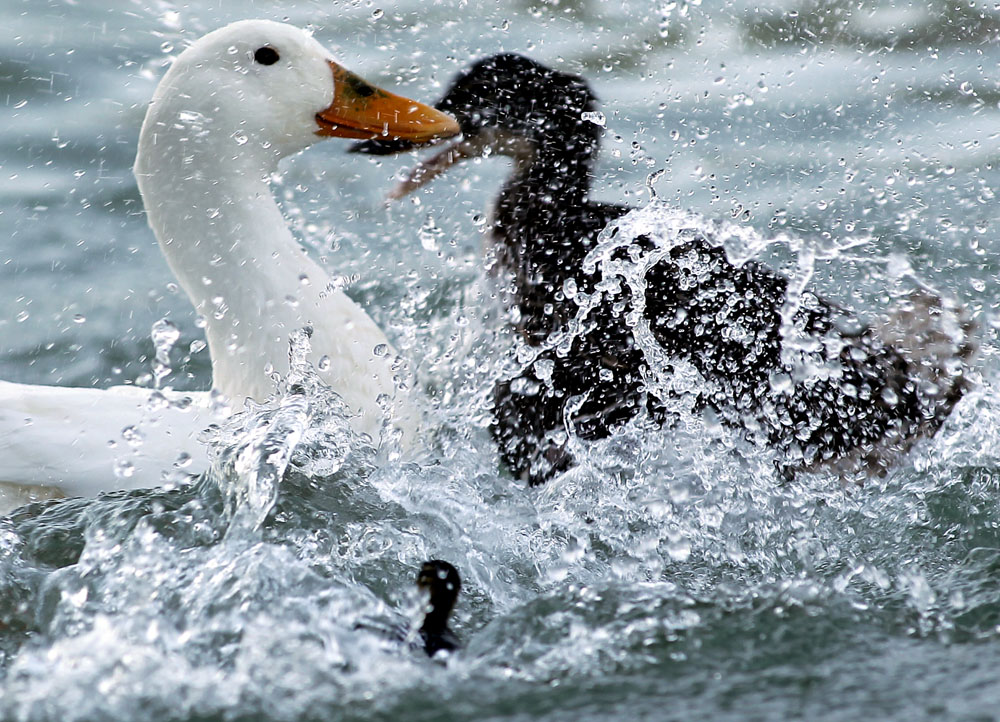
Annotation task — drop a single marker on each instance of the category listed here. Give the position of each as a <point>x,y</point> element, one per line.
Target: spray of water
<point>280,585</point>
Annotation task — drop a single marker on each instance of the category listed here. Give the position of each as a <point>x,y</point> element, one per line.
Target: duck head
<point>440,581</point>
<point>266,88</point>
<point>507,105</point>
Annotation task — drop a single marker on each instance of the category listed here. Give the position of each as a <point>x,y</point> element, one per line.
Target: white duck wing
<point>84,441</point>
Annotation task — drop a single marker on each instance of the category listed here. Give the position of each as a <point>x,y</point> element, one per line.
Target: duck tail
<point>937,338</point>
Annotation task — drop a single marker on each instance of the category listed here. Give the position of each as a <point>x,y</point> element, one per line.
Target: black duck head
<point>508,105</point>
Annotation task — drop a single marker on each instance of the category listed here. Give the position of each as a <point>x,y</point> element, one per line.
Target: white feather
<point>214,133</point>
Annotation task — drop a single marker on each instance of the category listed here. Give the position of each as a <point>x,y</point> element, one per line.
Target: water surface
<point>673,575</point>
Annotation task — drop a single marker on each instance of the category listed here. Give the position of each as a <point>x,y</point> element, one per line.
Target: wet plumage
<point>440,581</point>
<point>870,399</point>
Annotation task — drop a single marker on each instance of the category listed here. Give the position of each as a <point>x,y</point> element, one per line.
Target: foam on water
<point>275,586</point>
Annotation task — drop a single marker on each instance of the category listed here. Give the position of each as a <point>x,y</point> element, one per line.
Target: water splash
<point>280,585</point>
<point>164,334</point>
<point>305,427</point>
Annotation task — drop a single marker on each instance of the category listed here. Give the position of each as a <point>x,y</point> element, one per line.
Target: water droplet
<point>324,363</point>
<point>240,138</point>
<point>595,116</point>
<point>679,549</point>
<point>381,349</point>
<point>544,368</point>
<point>377,13</point>
<point>79,318</point>
<point>157,402</point>
<point>430,235</point>
<point>133,436</point>
<point>77,598</point>
<point>524,386</point>
<point>780,382</point>
<point>171,19</point>
<point>164,334</point>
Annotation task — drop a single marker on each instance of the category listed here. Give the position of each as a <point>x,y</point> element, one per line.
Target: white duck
<point>228,110</point>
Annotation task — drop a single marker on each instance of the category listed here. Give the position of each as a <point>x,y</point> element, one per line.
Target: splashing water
<point>672,574</point>
<point>164,334</point>
<point>252,454</point>
<point>668,563</point>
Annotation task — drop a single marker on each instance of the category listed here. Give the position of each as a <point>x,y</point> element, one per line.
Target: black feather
<point>721,318</point>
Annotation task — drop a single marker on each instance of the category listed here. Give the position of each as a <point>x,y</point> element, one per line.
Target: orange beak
<point>360,110</point>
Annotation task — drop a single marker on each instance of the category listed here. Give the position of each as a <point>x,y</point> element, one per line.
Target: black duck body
<point>868,404</point>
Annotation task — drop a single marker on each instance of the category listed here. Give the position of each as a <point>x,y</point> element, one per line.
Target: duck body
<point>230,107</point>
<point>536,256</point>
<point>216,129</point>
<point>850,398</point>
<point>56,439</point>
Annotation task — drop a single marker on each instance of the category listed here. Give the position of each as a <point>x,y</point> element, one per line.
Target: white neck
<point>209,203</point>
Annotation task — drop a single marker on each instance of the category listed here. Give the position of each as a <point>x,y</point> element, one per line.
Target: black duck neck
<point>551,178</point>
<point>436,620</point>
<point>544,226</point>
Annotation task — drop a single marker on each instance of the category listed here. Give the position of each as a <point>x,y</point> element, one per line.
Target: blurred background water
<point>674,575</point>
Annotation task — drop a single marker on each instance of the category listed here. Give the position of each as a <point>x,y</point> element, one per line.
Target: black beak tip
<point>380,147</point>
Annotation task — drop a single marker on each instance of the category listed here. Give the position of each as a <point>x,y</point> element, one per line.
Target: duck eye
<point>266,55</point>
